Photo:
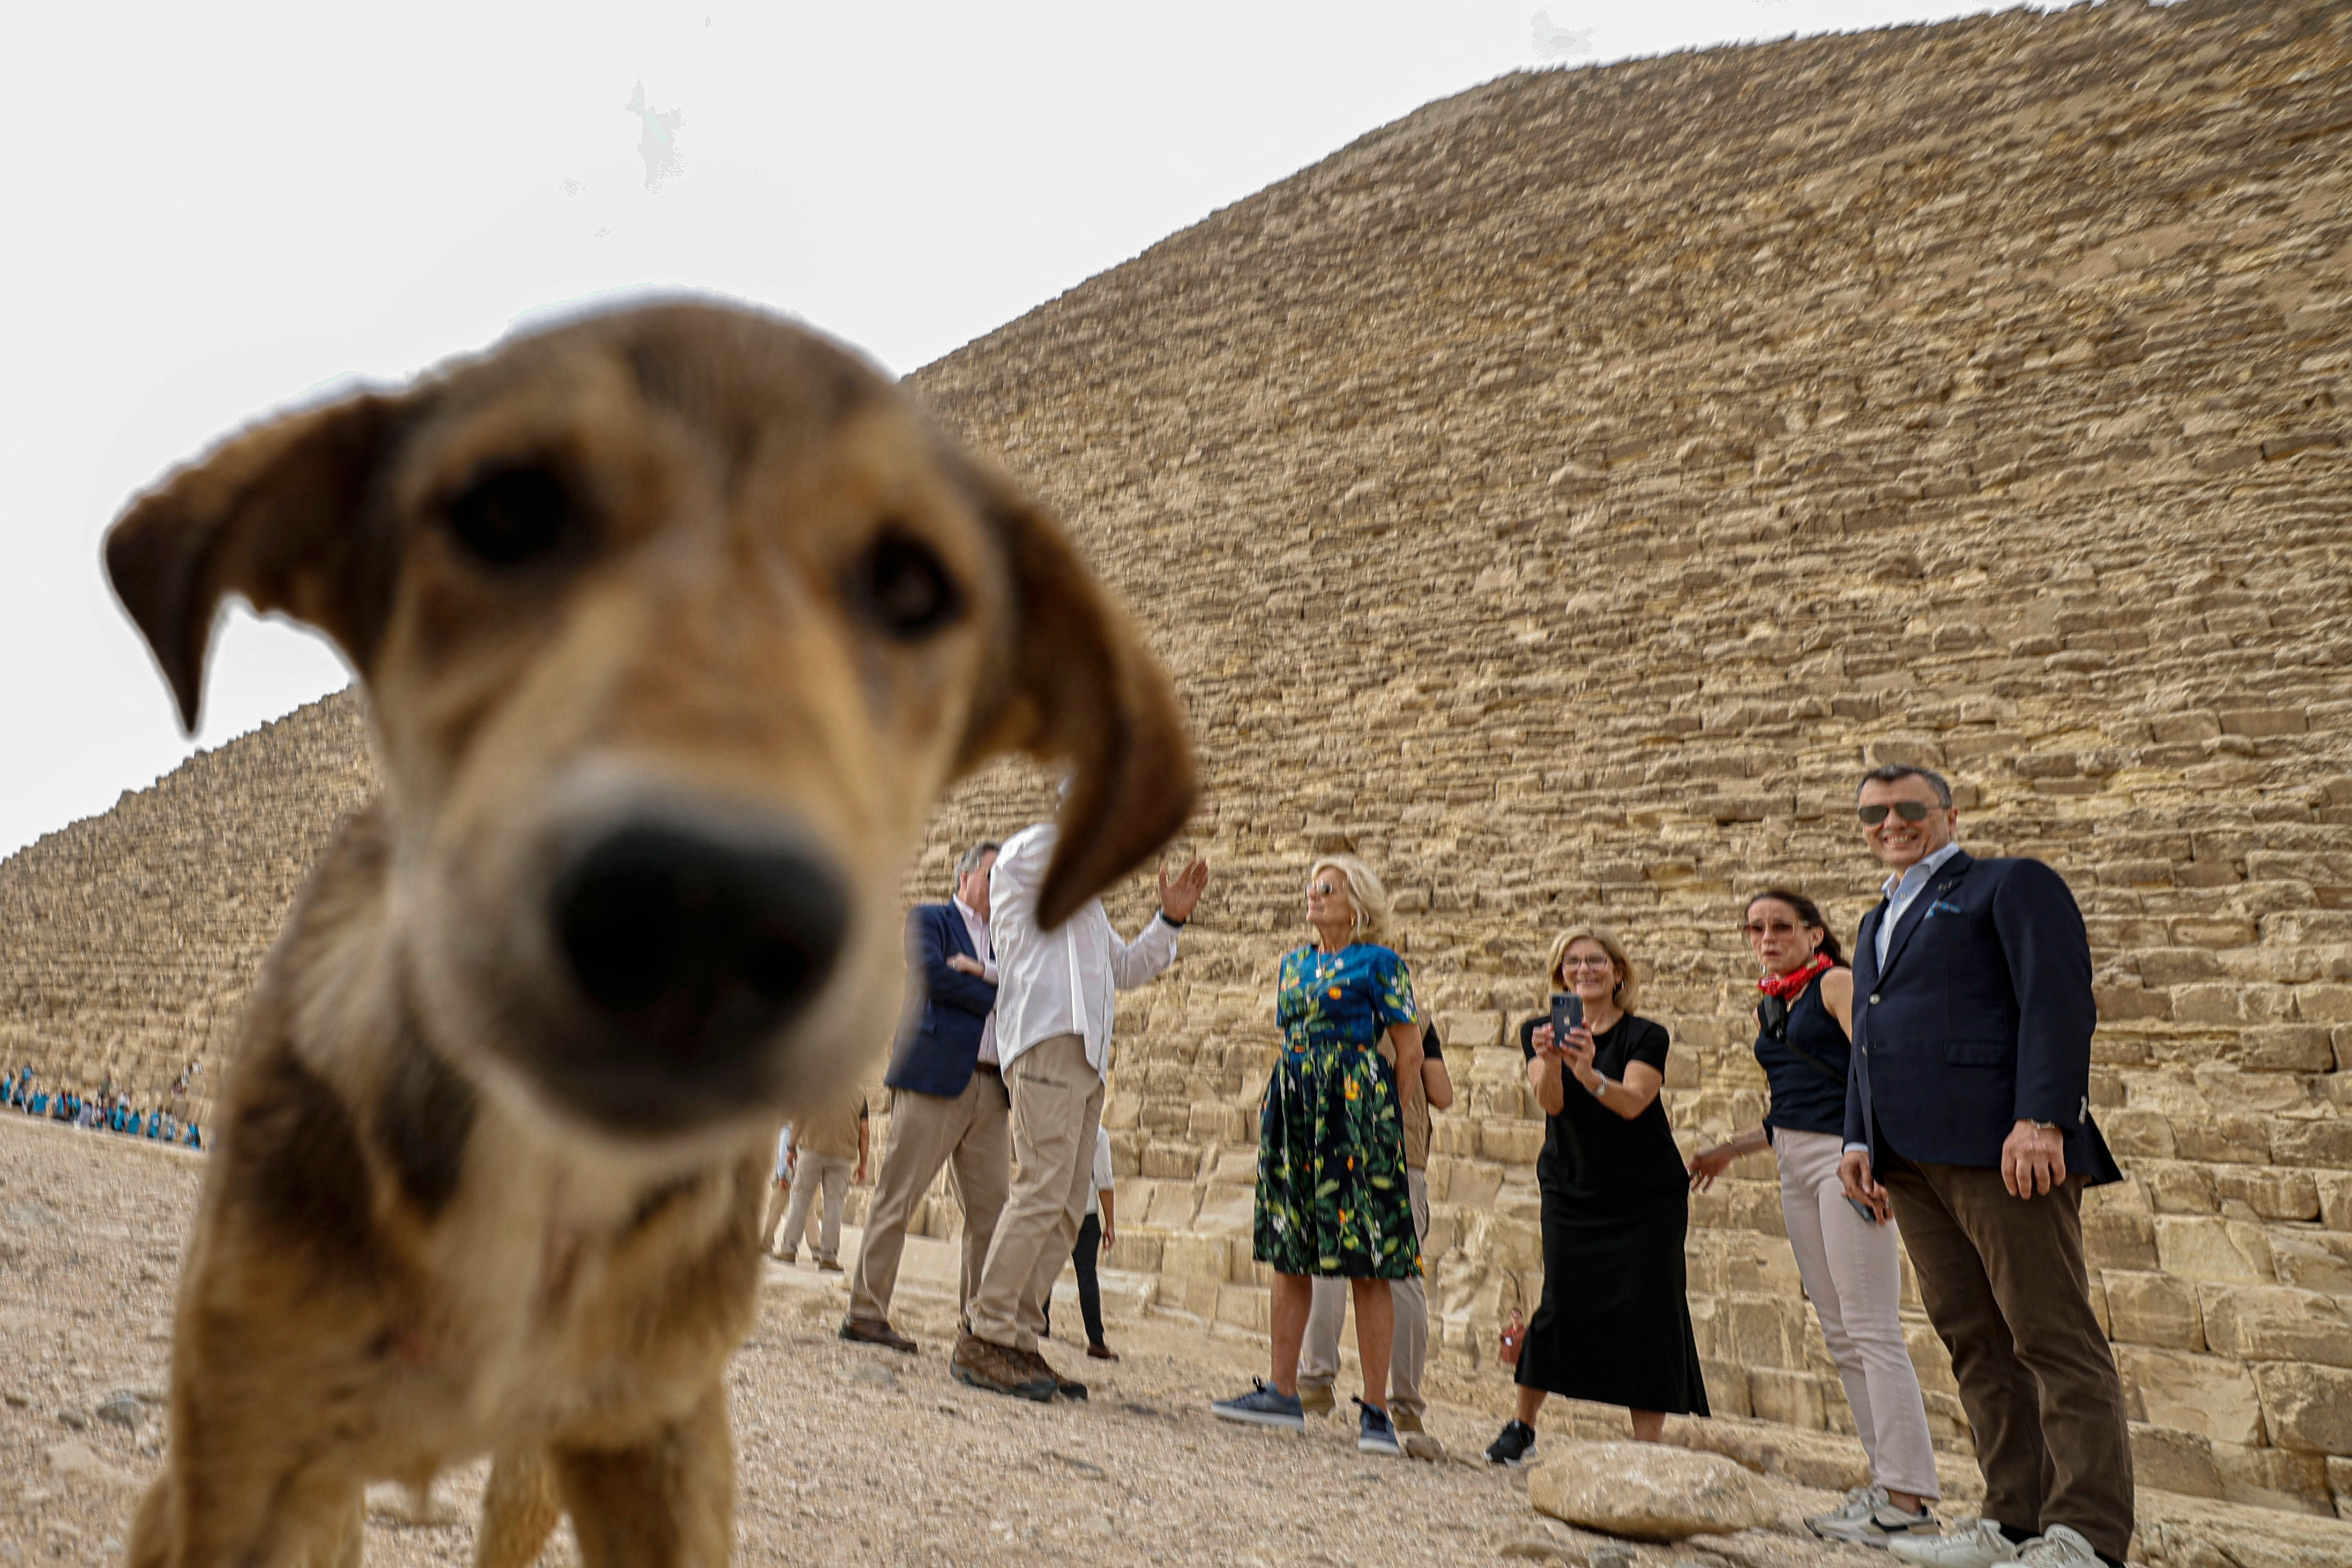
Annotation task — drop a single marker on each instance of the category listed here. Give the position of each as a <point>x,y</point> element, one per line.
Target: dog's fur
<point>452,1209</point>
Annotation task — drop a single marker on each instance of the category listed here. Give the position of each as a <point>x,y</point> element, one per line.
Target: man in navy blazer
<point>1967,1115</point>
<point>948,1102</point>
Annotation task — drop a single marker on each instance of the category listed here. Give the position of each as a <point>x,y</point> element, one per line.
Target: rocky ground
<point>856,1456</point>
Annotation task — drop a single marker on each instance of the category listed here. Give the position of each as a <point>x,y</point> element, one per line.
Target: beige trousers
<point>779,1198</point>
<point>1854,1279</point>
<point>970,1133</point>
<point>1057,1100</point>
<point>830,1173</point>
<point>1319,1356</point>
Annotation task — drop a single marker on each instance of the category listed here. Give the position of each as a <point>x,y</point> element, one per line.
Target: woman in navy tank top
<point>1849,1262</point>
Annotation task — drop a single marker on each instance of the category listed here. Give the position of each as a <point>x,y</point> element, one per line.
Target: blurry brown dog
<point>675,623</point>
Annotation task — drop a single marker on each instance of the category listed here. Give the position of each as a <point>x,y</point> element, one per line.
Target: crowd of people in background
<point>105,1110</point>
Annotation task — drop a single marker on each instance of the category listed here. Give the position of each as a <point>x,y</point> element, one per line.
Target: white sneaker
<point>1971,1543</point>
<point>1869,1518</point>
<point>2059,1547</point>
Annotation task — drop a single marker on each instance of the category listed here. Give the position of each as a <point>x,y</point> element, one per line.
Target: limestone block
<point>2173,1460</point>
<point>2119,1239</point>
<point>2309,1260</point>
<point>1170,1206</point>
<point>2178,1186</point>
<point>1511,1142</point>
<point>1469,1031</point>
<point>2272,1192</point>
<point>2308,1407</point>
<point>1245,1307</point>
<point>2275,1324</point>
<point>1792,1398</point>
<point>2327,1141</point>
<point>2201,1393</point>
<point>2286,1478</point>
<point>2153,1310</point>
<point>1226,1208</point>
<point>1171,1161</point>
<point>1648,1491</point>
<point>2197,1248</point>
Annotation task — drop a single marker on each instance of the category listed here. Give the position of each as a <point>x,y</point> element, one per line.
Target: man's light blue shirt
<point>1903,889</point>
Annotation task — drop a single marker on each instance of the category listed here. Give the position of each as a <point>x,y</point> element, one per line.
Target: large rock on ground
<point>1648,1491</point>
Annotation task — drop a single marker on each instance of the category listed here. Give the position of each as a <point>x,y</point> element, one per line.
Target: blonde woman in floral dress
<point>1332,1198</point>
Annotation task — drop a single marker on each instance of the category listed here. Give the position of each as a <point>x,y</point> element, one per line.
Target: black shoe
<point>1517,1441</point>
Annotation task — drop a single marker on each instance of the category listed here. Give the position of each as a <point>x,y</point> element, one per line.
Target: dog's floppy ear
<point>271,514</point>
<point>1082,687</point>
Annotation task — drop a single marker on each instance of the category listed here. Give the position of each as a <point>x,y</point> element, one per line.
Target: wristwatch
<point>2043,1126</point>
<point>1599,1087</point>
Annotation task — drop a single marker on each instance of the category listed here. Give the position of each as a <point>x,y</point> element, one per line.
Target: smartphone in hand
<point>1869,1216</point>
<point>1567,1015</point>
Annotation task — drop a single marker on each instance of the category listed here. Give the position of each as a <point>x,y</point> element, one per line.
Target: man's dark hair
<point>973,856</point>
<point>1891,773</point>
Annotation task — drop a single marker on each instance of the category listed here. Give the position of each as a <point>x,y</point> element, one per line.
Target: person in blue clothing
<point>1967,1117</point>
<point>948,1105</point>
<point>1333,1200</point>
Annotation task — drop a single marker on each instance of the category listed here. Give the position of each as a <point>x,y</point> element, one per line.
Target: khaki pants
<point>779,1198</point>
<point>927,1132</point>
<point>1853,1276</point>
<point>2004,1283</point>
<point>1319,1356</point>
<point>831,1173</point>
<point>1057,1100</point>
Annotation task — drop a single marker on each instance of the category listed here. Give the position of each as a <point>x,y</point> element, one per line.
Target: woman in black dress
<point>1615,1326</point>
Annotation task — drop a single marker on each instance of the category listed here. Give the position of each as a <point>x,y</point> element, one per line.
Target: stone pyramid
<point>1558,496</point>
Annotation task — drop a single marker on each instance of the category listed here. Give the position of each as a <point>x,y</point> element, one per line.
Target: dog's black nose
<point>695,948</point>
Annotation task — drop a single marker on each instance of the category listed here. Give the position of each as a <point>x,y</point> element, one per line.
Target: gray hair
<point>1892,772</point>
<point>971,858</point>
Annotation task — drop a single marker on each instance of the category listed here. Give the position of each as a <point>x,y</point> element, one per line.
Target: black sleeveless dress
<point>1615,1326</point>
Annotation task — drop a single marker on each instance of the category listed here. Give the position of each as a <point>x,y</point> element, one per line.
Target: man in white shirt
<point>1054,1009</point>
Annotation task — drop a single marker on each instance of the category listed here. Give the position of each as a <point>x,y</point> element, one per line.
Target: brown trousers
<point>2005,1286</point>
<point>968,1134</point>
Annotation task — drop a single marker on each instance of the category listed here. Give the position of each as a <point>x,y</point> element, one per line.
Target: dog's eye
<point>512,516</point>
<point>903,587</point>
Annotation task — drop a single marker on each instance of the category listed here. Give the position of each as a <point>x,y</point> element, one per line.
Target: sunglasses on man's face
<point>1908,810</point>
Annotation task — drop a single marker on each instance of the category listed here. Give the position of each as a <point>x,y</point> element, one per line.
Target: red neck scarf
<point>1789,987</point>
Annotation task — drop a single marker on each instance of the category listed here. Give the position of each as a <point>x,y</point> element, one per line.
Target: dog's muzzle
<point>692,949</point>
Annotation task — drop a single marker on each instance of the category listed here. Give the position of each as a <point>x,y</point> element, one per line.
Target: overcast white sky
<point>220,209</point>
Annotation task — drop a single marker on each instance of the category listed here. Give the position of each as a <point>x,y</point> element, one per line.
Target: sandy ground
<point>847,1453</point>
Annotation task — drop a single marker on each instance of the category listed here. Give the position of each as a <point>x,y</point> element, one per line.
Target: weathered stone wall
<point>1559,495</point>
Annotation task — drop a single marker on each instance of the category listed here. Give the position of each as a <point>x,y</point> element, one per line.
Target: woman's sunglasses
<point>1908,810</point>
<point>1322,889</point>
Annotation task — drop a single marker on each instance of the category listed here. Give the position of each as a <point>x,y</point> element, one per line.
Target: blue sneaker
<point>1375,1433</point>
<point>1263,1406</point>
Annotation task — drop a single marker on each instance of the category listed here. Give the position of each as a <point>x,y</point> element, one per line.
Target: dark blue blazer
<point>1982,1018</point>
<point>939,1039</point>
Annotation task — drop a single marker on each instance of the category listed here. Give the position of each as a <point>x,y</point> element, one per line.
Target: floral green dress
<point>1332,1192</point>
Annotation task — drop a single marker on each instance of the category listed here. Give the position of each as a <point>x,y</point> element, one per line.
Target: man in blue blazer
<point>948,1103</point>
<point>1967,1115</point>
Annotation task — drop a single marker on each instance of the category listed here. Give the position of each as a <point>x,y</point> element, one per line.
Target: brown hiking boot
<point>1068,1387</point>
<point>1417,1443</point>
<point>875,1332</point>
<point>999,1370</point>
